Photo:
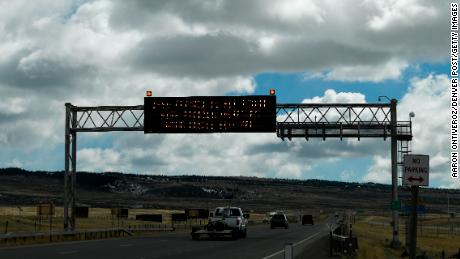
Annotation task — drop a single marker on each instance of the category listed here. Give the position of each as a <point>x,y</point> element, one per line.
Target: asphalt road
<point>262,242</point>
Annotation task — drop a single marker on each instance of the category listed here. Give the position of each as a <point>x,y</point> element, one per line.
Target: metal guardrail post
<point>288,251</point>
<point>330,243</point>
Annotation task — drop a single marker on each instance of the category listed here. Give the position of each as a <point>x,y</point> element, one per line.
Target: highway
<point>262,242</point>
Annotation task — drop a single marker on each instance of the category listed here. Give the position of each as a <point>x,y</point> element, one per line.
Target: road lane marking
<point>67,252</point>
<point>295,244</point>
<point>126,245</point>
<point>272,255</point>
<point>306,239</point>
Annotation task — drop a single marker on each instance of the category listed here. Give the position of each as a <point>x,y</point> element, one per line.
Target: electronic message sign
<point>207,114</point>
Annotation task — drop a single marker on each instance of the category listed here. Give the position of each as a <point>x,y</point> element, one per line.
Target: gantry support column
<point>394,172</point>
<point>70,167</point>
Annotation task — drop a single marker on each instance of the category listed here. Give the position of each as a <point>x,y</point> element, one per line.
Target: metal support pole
<point>70,165</point>
<point>67,166</point>
<point>394,172</point>
<point>413,225</point>
<point>74,170</point>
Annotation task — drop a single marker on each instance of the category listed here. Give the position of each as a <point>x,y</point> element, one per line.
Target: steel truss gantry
<point>306,120</point>
<point>91,119</point>
<point>339,120</point>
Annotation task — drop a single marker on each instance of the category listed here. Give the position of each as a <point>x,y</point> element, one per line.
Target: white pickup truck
<point>224,221</point>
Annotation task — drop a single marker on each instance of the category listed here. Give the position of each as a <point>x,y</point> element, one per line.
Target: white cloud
<point>390,70</point>
<point>399,13</point>
<point>347,176</point>
<point>98,159</point>
<point>289,171</point>
<point>14,163</point>
<point>426,97</point>
<point>13,106</point>
<point>380,171</point>
<point>295,11</point>
<point>331,96</point>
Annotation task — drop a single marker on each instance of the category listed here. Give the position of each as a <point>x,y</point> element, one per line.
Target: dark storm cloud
<point>221,55</point>
<point>209,56</point>
<point>24,71</point>
<point>316,148</point>
<point>148,161</point>
<point>319,38</point>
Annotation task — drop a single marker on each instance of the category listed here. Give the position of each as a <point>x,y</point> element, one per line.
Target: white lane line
<point>272,255</point>
<point>295,244</point>
<point>306,239</point>
<point>67,252</point>
<point>126,245</point>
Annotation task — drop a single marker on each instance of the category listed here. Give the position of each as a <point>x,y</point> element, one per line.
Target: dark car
<point>279,220</point>
<point>307,219</point>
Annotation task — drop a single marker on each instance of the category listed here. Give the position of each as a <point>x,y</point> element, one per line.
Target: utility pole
<point>413,223</point>
<point>394,172</point>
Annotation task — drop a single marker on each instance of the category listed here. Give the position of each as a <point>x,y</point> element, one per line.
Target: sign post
<point>413,225</point>
<point>416,172</point>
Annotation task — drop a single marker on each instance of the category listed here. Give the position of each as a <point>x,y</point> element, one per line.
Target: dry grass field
<point>25,219</point>
<point>374,239</point>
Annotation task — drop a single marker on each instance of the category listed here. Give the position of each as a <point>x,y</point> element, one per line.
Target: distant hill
<point>110,189</point>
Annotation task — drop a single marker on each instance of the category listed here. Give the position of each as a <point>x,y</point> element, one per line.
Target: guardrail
<point>339,242</point>
<point>23,238</point>
<point>17,238</point>
<point>150,228</point>
<point>343,244</point>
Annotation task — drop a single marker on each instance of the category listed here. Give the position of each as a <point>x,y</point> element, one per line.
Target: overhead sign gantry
<point>224,114</point>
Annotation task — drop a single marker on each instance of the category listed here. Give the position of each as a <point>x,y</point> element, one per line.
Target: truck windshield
<point>278,216</point>
<point>227,212</point>
<point>234,212</point>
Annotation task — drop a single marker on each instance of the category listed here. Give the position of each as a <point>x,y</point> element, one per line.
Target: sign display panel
<point>207,114</point>
<point>416,170</point>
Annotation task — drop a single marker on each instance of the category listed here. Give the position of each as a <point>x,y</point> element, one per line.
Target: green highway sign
<point>395,205</point>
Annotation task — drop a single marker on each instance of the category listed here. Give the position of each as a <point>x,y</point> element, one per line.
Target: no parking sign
<point>416,170</point>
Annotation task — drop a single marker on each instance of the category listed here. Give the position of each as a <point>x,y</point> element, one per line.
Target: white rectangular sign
<point>416,170</point>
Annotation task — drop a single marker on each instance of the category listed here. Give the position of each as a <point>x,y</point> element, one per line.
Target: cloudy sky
<point>109,52</point>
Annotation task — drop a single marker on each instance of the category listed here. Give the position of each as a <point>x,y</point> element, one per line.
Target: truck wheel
<point>195,236</point>
<point>244,233</point>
